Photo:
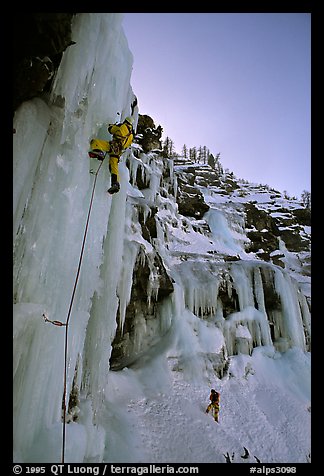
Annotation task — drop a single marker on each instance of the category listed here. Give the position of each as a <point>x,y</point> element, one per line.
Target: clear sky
<point>239,83</point>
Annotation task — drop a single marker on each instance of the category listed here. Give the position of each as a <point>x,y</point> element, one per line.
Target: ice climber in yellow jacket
<point>123,135</point>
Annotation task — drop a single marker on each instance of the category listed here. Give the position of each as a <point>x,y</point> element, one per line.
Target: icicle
<point>243,340</point>
<point>134,163</point>
<point>258,289</point>
<point>291,316</point>
<point>126,280</point>
<point>242,282</point>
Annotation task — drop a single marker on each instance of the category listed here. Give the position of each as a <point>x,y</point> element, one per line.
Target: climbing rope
<point>70,309</point>
<point>66,324</point>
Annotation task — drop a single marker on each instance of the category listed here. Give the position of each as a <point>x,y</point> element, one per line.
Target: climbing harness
<point>66,324</point>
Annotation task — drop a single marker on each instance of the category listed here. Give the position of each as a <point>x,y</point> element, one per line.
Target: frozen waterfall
<point>156,309</point>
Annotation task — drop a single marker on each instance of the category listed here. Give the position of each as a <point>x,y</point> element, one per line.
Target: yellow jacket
<point>123,133</point>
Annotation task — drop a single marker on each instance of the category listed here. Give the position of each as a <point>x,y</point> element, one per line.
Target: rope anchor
<point>55,323</point>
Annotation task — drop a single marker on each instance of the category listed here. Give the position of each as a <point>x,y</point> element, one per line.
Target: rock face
<point>234,249</point>
<point>39,42</point>
<point>190,200</point>
<point>269,218</point>
<point>266,229</point>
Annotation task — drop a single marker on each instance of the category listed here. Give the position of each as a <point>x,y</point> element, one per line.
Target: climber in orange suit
<point>214,404</point>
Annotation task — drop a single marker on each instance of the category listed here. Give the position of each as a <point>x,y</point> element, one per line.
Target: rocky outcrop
<point>189,198</point>
<point>148,136</point>
<point>190,201</point>
<point>264,231</point>
<point>266,227</point>
<point>39,42</point>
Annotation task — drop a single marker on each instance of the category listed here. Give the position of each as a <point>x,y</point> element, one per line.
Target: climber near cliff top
<point>214,404</point>
<point>123,135</point>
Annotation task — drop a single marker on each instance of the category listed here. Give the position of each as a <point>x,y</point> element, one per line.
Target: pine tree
<point>168,148</point>
<point>205,152</point>
<point>193,154</point>
<point>184,151</point>
<point>200,154</point>
<point>306,198</point>
<point>211,161</point>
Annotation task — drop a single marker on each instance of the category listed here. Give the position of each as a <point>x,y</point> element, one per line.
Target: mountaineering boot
<point>115,187</point>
